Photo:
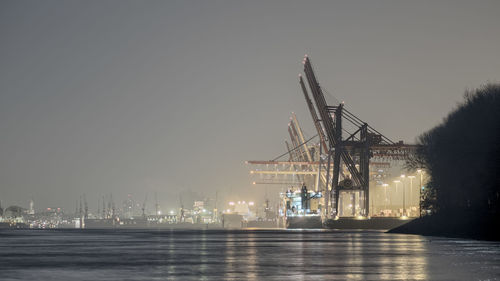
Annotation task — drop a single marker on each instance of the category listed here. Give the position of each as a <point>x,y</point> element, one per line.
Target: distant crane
<point>144,206</point>
<point>80,209</point>
<point>104,207</point>
<point>86,213</point>
<point>181,217</point>
<point>98,206</point>
<point>109,213</point>
<point>80,213</point>
<point>156,204</point>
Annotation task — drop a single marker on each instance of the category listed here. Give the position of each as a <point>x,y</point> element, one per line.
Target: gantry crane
<point>348,142</point>
<point>302,162</point>
<point>353,151</point>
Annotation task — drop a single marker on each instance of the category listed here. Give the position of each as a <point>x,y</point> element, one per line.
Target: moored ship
<point>302,208</point>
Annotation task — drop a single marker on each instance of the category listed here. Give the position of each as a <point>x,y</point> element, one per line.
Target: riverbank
<point>375,223</point>
<point>461,225</point>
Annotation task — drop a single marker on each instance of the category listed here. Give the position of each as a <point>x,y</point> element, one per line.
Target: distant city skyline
<point>128,97</point>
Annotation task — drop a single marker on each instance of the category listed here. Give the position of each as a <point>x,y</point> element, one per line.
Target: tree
<point>462,156</point>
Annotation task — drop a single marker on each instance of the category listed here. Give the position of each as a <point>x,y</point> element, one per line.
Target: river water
<point>242,255</point>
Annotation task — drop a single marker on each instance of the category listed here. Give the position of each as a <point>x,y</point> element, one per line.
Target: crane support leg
<point>336,158</point>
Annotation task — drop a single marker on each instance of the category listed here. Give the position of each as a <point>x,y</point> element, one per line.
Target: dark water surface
<point>242,255</point>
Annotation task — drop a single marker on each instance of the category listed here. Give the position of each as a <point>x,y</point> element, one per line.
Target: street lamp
<point>421,172</point>
<point>385,185</point>
<point>404,205</point>
<point>396,182</point>
<point>411,189</point>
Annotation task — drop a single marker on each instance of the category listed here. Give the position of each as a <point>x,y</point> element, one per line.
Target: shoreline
<point>458,225</point>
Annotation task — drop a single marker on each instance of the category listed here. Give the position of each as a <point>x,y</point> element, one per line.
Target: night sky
<point>138,97</point>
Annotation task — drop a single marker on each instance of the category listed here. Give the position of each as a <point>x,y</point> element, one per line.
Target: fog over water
<point>162,96</point>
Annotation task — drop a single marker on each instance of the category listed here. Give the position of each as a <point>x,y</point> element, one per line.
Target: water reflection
<point>171,256</point>
<point>203,254</point>
<point>251,269</point>
<point>229,257</point>
<point>243,255</point>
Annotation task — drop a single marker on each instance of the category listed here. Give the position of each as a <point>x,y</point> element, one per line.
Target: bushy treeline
<point>462,156</point>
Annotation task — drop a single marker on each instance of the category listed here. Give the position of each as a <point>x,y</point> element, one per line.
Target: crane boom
<point>314,115</point>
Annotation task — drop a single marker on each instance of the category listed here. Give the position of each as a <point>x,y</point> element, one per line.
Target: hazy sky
<point>138,97</point>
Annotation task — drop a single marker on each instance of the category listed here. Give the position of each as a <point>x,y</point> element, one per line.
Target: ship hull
<point>380,223</point>
<point>306,222</point>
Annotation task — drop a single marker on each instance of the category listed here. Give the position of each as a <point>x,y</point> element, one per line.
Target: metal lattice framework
<point>355,150</point>
<point>348,142</point>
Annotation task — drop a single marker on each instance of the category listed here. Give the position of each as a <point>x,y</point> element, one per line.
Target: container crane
<point>357,147</point>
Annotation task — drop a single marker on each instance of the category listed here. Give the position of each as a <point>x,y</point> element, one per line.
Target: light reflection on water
<point>242,255</point>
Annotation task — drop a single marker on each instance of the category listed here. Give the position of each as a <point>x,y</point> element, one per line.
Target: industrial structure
<point>340,166</point>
